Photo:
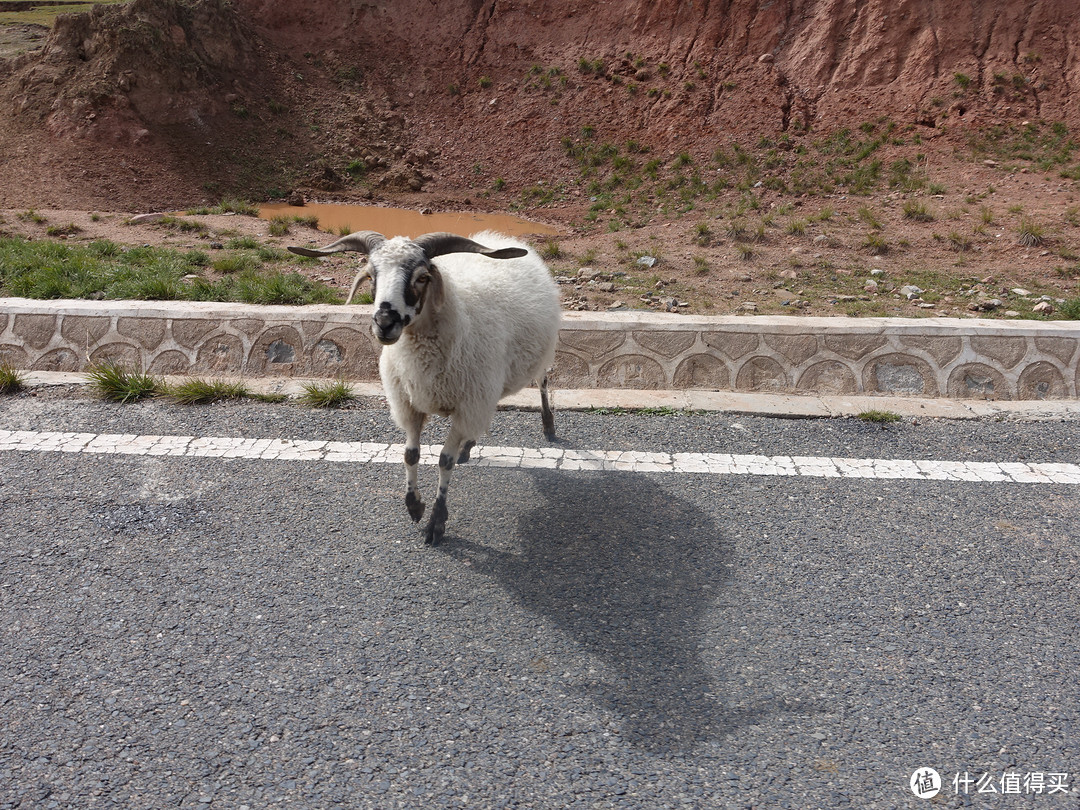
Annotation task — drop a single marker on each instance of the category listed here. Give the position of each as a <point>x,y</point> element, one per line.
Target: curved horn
<point>439,244</point>
<point>361,242</point>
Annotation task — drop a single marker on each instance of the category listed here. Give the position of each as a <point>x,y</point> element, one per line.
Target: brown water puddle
<point>405,222</point>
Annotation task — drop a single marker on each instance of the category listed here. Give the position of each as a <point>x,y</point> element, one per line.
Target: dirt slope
<point>770,152</point>
<point>175,101</point>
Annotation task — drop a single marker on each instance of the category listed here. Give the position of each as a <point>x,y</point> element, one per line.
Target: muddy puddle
<point>405,222</point>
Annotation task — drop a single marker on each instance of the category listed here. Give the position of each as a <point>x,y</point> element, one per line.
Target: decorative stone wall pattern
<point>828,356</point>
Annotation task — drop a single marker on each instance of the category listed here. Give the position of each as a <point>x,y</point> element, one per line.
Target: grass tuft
<point>203,392</point>
<point>11,381</point>
<point>116,383</point>
<point>879,417</point>
<point>1030,234</point>
<point>327,395</point>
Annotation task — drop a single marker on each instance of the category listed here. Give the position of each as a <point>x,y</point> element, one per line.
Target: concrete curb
<point>935,358</point>
<point>781,406</point>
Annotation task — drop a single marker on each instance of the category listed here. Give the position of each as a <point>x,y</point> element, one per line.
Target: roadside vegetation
<point>244,271</point>
<point>11,380</point>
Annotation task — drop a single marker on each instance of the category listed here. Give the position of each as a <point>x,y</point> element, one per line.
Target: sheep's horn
<point>439,244</point>
<point>361,242</point>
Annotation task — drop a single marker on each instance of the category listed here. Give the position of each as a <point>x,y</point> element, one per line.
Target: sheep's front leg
<point>448,457</point>
<point>414,424</point>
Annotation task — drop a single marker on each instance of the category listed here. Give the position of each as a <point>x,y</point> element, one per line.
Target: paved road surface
<point>209,631</point>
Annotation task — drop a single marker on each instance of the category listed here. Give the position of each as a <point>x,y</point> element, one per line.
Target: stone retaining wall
<point>933,357</point>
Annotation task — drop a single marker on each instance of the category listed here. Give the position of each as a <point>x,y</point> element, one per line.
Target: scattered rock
<point>646,261</point>
<point>605,286</point>
<point>986,305</point>
<point>870,286</point>
<point>297,199</point>
<point>911,292</point>
<point>748,306</point>
<point>877,271</point>
<point>1043,308</point>
<point>1020,291</point>
<point>145,219</point>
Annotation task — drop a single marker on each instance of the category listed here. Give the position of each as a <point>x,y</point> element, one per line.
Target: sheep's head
<point>406,281</point>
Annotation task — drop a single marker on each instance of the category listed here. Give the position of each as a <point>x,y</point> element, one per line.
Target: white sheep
<point>457,336</point>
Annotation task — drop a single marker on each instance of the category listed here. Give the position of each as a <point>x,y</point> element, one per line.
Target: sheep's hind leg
<point>547,417</point>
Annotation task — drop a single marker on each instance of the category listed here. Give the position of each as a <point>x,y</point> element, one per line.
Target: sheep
<point>457,336</point>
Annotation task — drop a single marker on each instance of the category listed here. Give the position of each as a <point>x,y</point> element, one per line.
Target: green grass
<point>1070,310</point>
<point>11,381</point>
<point>917,212</point>
<point>102,269</point>
<point>203,392</point>
<point>45,15</point>
<point>879,417</point>
<point>114,382</point>
<point>227,206</point>
<point>327,395</point>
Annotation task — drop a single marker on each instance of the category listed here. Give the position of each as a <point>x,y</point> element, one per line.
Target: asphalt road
<point>230,633</point>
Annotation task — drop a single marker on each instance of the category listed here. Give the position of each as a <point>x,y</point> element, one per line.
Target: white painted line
<point>553,458</point>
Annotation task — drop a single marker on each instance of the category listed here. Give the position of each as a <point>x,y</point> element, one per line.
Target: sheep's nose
<point>386,317</point>
<point>387,324</point>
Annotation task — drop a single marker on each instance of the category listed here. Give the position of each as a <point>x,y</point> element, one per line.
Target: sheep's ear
<point>439,244</point>
<point>360,242</point>
<point>428,289</point>
<point>505,253</point>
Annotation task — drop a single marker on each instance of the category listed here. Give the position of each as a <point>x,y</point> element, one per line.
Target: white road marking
<point>543,458</point>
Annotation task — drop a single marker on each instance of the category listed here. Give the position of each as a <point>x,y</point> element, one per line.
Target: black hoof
<point>415,506</point>
<point>466,452</point>
<point>436,525</point>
